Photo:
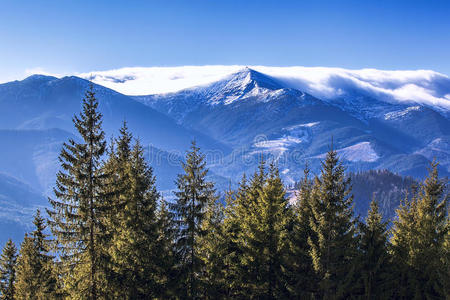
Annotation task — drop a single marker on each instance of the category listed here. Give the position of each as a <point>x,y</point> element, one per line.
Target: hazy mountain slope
<point>42,102</point>
<point>18,202</point>
<point>32,155</point>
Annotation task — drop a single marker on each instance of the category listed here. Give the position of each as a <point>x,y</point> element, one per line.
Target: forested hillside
<point>110,235</point>
<point>387,188</point>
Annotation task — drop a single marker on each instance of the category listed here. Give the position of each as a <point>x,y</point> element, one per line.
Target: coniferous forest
<point>109,234</point>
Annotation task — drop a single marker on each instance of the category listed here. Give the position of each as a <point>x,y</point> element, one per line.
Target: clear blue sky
<point>80,36</point>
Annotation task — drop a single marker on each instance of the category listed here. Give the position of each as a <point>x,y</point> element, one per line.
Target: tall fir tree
<point>419,241</point>
<point>374,261</point>
<point>193,194</point>
<point>274,219</point>
<point>27,284</point>
<point>8,261</point>
<point>166,248</point>
<point>300,271</point>
<point>400,244</point>
<point>236,208</point>
<point>239,222</point>
<point>133,245</point>
<point>264,237</point>
<point>116,170</point>
<point>332,241</point>
<point>36,274</point>
<point>212,251</point>
<point>79,208</point>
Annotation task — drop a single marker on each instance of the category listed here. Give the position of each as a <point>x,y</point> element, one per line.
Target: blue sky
<point>82,36</point>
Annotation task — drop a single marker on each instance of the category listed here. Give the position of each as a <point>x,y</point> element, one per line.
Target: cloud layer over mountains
<point>420,86</point>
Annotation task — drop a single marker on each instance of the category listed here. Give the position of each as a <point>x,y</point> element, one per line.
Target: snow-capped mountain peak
<point>241,85</point>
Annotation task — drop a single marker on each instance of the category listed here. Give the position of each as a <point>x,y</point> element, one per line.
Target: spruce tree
<point>8,261</point>
<point>36,278</point>
<point>239,222</point>
<point>212,251</point>
<point>332,241</point>
<point>193,194</point>
<point>300,271</point>
<point>117,183</point>
<point>166,252</point>
<point>27,284</point>
<point>233,245</point>
<point>419,240</point>
<point>401,243</point>
<point>133,245</point>
<point>78,210</point>
<point>374,262</point>
<point>265,236</point>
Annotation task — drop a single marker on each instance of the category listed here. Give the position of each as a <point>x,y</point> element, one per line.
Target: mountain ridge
<point>236,111</point>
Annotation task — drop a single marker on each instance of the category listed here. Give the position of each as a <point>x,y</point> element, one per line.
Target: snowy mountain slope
<point>241,85</point>
<point>241,106</point>
<point>248,106</point>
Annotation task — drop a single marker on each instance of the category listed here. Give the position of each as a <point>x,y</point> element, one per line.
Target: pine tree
<point>133,244</point>
<point>265,239</point>
<point>8,271</point>
<point>212,251</point>
<point>332,242</point>
<point>233,245</point>
<point>401,242</point>
<point>78,210</point>
<point>374,261</point>
<point>166,252</point>
<point>300,270</point>
<point>27,284</point>
<point>36,278</point>
<point>193,194</point>
<point>419,240</point>
<point>117,183</point>
<point>239,222</point>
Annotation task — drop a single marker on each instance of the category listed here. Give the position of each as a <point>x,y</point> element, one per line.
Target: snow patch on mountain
<point>281,144</point>
<point>359,152</point>
<point>400,113</point>
<point>309,125</point>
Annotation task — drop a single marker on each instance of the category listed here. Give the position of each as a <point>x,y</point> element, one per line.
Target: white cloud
<point>421,86</point>
<point>157,80</point>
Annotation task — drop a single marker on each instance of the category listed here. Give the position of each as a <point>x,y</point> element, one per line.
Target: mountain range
<point>257,114</point>
<point>236,120</point>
